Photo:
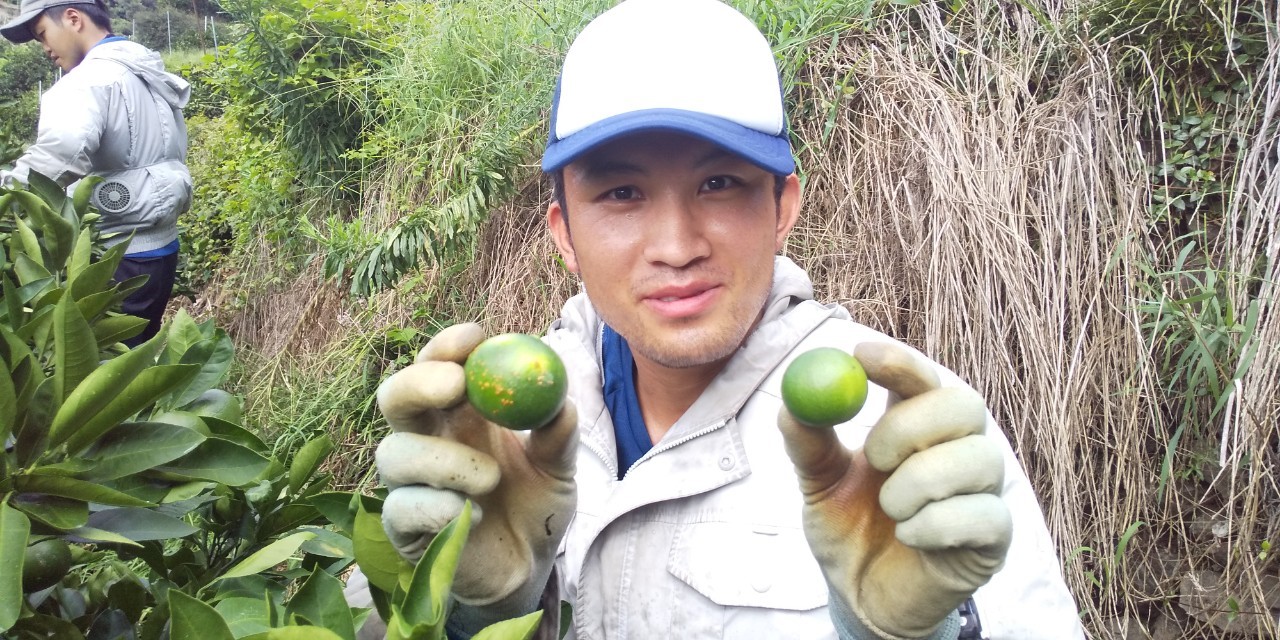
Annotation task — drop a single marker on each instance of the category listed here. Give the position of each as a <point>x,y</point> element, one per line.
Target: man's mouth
<point>683,301</point>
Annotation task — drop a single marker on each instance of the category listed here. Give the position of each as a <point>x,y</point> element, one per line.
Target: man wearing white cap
<point>115,113</point>
<point>674,496</point>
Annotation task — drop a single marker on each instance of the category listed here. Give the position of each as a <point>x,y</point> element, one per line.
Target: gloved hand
<point>908,527</point>
<point>442,452</point>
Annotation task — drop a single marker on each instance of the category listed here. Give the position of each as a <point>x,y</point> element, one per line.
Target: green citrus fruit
<point>824,387</point>
<point>516,380</point>
<point>44,564</point>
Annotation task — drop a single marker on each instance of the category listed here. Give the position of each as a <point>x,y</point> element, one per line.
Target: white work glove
<point>908,527</point>
<point>442,452</point>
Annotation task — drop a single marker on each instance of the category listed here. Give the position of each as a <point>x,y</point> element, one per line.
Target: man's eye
<point>622,193</point>
<point>717,183</point>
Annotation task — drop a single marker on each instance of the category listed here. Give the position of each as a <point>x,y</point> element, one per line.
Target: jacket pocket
<point>748,581</point>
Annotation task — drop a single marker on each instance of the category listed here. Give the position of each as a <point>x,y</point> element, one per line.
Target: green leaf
<point>183,333</point>
<point>83,195</point>
<point>336,507</point>
<point>51,195</point>
<point>301,632</point>
<point>75,351</point>
<point>91,535</point>
<point>59,234</point>
<point>268,556</point>
<point>220,461</point>
<point>375,554</point>
<point>29,271</point>
<point>27,245</point>
<point>245,616</point>
<point>140,524</point>
<point>135,447</point>
<point>75,489</point>
<point>427,598</point>
<point>32,436</point>
<point>320,601</point>
<point>8,402</point>
<point>329,544</point>
<point>63,514</point>
<point>307,460</point>
<point>521,628</point>
<point>100,389</point>
<point>98,275</point>
<point>13,306</point>
<point>141,392</point>
<point>14,529</point>
<point>191,619</point>
<point>235,433</point>
<point>113,329</point>
<point>214,358</point>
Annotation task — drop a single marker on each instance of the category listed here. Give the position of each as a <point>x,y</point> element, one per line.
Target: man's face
<point>60,39</point>
<point>674,239</point>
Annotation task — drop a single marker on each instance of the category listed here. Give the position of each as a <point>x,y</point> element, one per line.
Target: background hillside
<point>1072,203</point>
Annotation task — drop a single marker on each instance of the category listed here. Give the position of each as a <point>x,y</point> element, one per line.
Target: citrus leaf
<point>307,460</point>
<point>14,529</point>
<point>220,461</point>
<point>140,525</point>
<point>63,514</point>
<point>113,329</point>
<point>245,616</point>
<point>91,534</point>
<point>75,351</point>
<point>375,554</point>
<point>320,601</point>
<point>75,489</point>
<point>427,598</point>
<point>268,556</point>
<point>105,385</point>
<point>191,619</point>
<point>134,447</point>
<point>214,358</point>
<point>521,628</point>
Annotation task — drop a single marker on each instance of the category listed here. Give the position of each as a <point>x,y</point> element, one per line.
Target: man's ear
<point>73,20</point>
<point>788,210</point>
<point>560,233</point>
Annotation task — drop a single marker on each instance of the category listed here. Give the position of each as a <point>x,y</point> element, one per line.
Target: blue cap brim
<point>769,152</point>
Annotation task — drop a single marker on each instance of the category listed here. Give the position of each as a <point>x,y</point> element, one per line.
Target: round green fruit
<point>44,564</point>
<point>824,387</point>
<point>516,380</point>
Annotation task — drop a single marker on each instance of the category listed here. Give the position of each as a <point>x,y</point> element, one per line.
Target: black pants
<point>149,301</point>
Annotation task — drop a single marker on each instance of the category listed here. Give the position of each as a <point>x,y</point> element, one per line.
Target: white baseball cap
<point>693,66</point>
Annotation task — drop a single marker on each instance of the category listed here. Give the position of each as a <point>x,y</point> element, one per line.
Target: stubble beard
<point>695,347</point>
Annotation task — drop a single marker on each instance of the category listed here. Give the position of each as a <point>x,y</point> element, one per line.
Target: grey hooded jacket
<point>118,114</point>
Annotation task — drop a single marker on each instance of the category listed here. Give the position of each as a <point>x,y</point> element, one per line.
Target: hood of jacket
<point>147,65</point>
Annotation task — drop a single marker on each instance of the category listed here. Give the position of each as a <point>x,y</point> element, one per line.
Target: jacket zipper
<point>675,443</point>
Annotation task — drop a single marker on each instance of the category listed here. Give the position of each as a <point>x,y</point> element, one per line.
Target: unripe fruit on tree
<point>516,380</point>
<point>44,564</point>
<point>824,387</point>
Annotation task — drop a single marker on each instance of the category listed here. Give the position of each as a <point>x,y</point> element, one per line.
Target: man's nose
<point>676,236</point>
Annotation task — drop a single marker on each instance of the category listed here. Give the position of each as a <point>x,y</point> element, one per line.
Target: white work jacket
<point>703,538</point>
